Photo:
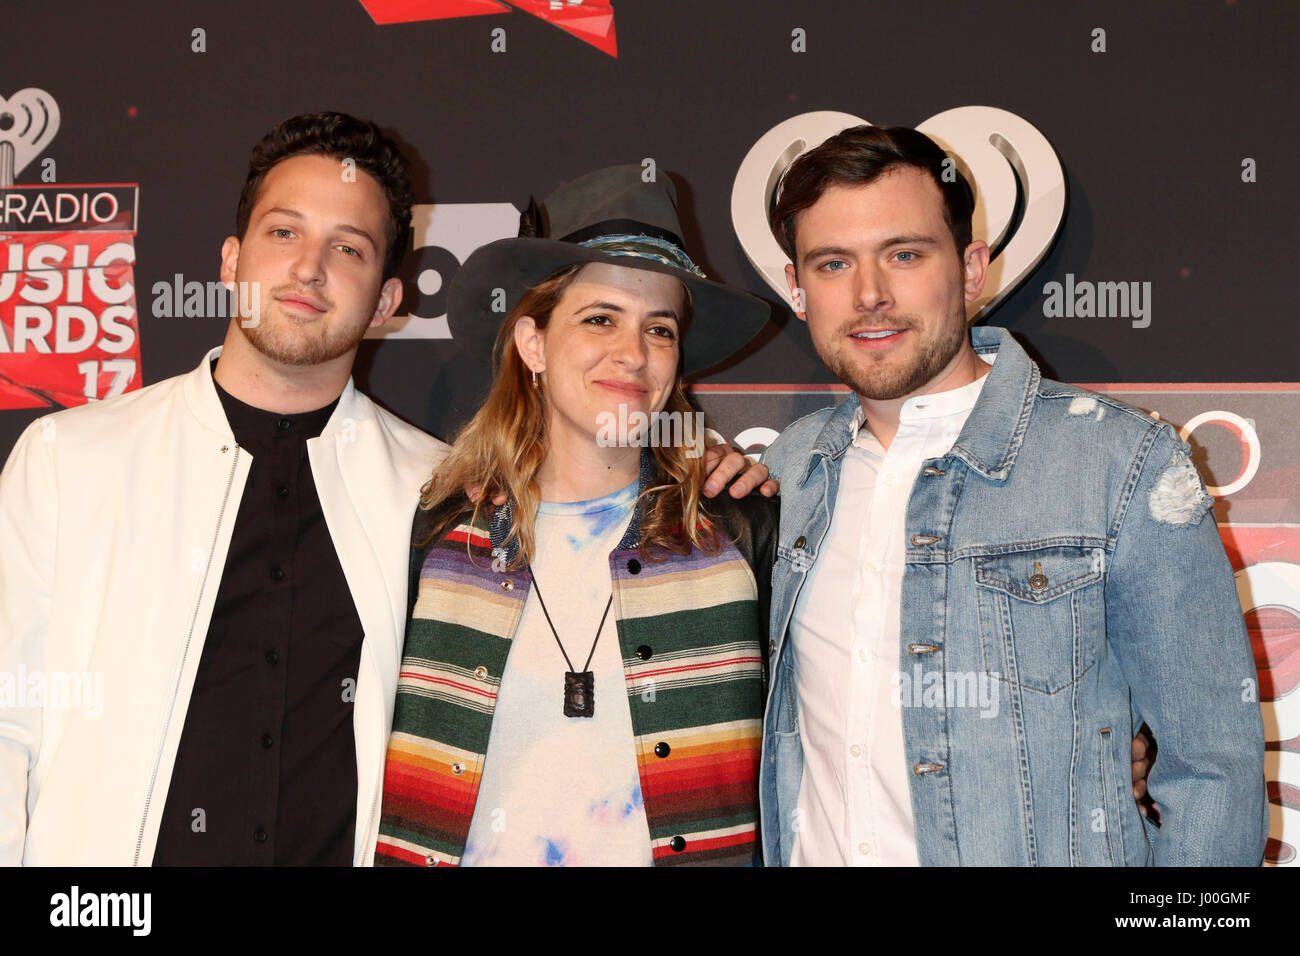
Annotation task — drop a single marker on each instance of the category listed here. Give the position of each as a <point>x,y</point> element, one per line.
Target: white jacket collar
<point>201,396</point>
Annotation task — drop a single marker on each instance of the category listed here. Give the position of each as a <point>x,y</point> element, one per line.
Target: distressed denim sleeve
<point>27,531</point>
<point>1175,624</point>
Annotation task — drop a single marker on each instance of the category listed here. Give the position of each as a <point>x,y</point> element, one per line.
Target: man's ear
<point>229,261</point>
<point>390,297</point>
<point>796,293</point>
<point>529,341</point>
<point>975,266</point>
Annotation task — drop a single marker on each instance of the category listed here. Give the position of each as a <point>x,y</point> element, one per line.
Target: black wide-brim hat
<point>612,216</point>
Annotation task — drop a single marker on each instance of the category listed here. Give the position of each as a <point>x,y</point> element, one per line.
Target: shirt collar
<point>200,390</point>
<point>256,427</point>
<point>933,405</point>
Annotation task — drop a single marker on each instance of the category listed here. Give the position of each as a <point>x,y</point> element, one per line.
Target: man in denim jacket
<point>986,580</point>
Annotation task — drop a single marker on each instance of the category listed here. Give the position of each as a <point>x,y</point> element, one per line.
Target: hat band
<point>645,247</point>
<point>621,227</point>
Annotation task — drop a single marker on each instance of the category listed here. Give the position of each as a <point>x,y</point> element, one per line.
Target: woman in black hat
<point>584,669</point>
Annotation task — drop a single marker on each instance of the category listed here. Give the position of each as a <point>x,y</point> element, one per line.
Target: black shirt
<point>266,770</point>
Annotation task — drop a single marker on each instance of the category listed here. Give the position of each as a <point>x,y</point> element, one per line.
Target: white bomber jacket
<point>115,520</point>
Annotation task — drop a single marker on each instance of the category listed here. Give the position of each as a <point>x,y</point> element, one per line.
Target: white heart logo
<point>999,153</point>
<point>28,121</point>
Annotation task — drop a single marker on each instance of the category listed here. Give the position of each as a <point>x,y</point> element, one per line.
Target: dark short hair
<point>860,155</point>
<point>340,136</point>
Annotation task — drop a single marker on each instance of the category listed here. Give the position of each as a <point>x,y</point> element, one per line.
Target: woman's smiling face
<point>612,340</point>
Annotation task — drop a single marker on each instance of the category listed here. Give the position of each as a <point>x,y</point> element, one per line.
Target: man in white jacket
<point>203,583</point>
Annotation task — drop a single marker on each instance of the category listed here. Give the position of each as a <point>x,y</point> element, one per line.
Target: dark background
<point>1151,133</point>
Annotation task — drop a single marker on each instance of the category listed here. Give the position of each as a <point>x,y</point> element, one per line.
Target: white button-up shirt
<point>855,805</point>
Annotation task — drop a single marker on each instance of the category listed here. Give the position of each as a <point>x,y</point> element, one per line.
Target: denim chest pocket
<point>1042,614</point>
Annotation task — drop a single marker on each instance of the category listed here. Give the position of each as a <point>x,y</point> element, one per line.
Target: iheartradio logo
<point>29,119</point>
<point>68,326</point>
<point>1000,154</point>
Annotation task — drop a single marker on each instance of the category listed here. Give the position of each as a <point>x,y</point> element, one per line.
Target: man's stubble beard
<point>281,343</point>
<point>878,381</point>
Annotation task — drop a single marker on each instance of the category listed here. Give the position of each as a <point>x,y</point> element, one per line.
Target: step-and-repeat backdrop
<point>1135,179</point>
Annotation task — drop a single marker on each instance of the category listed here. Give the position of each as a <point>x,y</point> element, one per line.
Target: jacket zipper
<point>373,822</point>
<point>212,550</point>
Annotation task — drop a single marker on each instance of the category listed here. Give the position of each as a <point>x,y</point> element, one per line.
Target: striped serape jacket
<point>692,627</point>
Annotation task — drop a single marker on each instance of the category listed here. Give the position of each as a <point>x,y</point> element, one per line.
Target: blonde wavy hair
<point>504,444</point>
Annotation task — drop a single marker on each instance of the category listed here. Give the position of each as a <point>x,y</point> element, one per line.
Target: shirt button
<point>864,849</point>
<point>644,652</point>
<point>267,741</point>
<point>284,424</point>
<point>855,750</point>
<point>481,672</point>
<point>272,657</point>
<point>871,567</point>
<point>888,479</point>
<point>662,749</point>
<point>862,656</point>
<point>677,844</point>
<point>634,566</point>
<point>260,835</point>
<point>277,574</point>
<point>282,491</point>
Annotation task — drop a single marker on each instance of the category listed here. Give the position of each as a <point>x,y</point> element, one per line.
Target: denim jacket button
<point>800,541</point>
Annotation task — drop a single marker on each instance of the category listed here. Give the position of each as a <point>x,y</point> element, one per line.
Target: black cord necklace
<point>579,686</point>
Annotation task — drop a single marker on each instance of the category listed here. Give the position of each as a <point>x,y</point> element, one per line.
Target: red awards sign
<point>68,318</point>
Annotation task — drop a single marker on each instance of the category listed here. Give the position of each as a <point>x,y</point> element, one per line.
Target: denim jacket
<point>1065,582</point>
